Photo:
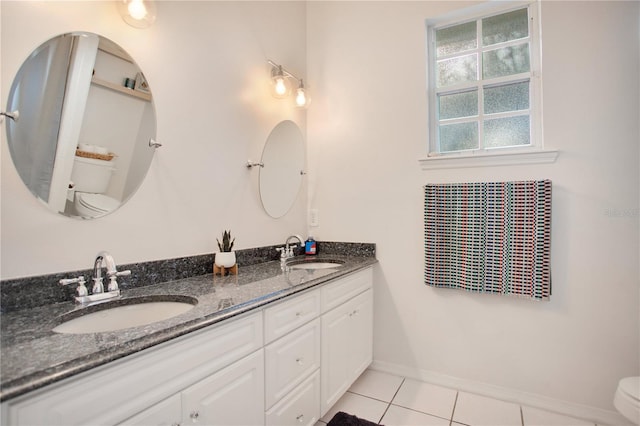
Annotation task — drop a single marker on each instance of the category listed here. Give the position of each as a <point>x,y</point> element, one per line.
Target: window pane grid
<point>465,86</point>
<point>480,89</point>
<point>504,119</point>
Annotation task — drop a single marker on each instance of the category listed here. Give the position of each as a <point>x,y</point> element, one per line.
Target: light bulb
<point>279,81</point>
<point>301,98</point>
<point>280,87</point>
<point>137,13</point>
<point>137,9</point>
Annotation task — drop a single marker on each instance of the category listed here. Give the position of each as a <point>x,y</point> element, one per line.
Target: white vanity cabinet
<point>285,364</point>
<point>232,396</point>
<point>292,361</point>
<point>117,391</point>
<point>298,390</point>
<point>347,334</point>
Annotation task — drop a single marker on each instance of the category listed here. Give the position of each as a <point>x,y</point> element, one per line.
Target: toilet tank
<point>91,175</point>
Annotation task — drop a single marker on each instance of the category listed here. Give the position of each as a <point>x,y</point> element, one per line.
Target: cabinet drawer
<point>300,407</point>
<point>289,315</point>
<point>336,293</point>
<point>290,359</point>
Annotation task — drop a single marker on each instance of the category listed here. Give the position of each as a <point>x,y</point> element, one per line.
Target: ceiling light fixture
<point>137,13</point>
<point>279,80</point>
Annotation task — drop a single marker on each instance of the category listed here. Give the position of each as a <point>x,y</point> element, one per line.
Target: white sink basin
<point>123,316</point>
<point>314,265</point>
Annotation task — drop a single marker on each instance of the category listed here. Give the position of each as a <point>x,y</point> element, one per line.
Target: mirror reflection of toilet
<point>91,179</point>
<point>627,398</point>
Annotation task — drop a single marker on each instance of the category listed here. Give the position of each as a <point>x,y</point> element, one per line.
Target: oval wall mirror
<point>283,168</point>
<point>81,143</point>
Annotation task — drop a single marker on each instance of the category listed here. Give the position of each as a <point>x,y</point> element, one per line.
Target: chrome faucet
<point>98,287</point>
<point>112,273</point>
<point>298,237</point>
<point>107,259</point>
<point>287,251</point>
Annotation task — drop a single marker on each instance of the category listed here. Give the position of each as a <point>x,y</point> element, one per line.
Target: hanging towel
<point>489,237</point>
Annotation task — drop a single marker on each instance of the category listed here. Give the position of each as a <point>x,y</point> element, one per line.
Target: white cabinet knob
<point>300,418</point>
<point>194,416</point>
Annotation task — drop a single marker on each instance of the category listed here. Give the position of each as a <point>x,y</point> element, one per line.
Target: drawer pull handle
<point>300,418</point>
<point>299,314</point>
<point>194,416</point>
<point>300,361</point>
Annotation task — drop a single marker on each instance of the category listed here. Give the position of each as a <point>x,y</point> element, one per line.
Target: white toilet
<point>627,398</point>
<point>91,179</point>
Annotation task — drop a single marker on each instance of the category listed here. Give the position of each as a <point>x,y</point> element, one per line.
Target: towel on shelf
<point>489,237</point>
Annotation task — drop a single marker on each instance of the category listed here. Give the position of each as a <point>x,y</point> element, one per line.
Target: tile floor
<point>397,401</point>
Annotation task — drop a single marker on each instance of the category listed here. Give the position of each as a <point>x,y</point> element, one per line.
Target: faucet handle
<point>81,289</point>
<point>98,287</point>
<point>113,284</point>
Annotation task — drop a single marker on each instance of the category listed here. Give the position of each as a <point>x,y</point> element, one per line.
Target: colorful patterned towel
<point>489,237</point>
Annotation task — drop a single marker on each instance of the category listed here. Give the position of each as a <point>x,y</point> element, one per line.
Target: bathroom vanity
<point>268,346</point>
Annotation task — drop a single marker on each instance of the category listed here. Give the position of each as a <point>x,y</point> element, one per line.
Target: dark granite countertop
<point>32,355</point>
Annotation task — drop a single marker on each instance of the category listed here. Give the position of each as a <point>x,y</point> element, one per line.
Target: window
<point>483,83</point>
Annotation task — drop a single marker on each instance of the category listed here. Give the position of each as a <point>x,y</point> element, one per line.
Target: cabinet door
<point>361,317</point>
<point>336,344</point>
<point>347,336</point>
<point>165,413</point>
<point>232,396</point>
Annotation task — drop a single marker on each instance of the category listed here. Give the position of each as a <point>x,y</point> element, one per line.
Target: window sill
<point>488,160</point>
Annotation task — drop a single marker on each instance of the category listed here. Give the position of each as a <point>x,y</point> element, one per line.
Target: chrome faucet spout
<point>298,237</point>
<point>107,259</point>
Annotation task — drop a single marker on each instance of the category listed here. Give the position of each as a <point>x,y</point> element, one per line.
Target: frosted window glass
<point>457,137</point>
<point>510,97</point>
<point>458,38</point>
<point>508,26</point>
<point>458,105</point>
<point>457,70</point>
<point>511,131</point>
<point>505,61</point>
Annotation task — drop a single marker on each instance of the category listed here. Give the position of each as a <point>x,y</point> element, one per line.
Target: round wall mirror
<point>283,168</point>
<point>81,143</point>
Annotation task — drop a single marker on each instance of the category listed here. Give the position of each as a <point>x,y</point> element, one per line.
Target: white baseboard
<point>593,414</point>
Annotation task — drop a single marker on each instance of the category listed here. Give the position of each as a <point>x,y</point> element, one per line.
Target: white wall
<point>206,65</point>
<point>366,132</point>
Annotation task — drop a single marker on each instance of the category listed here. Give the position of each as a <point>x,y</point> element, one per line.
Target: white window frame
<point>529,154</point>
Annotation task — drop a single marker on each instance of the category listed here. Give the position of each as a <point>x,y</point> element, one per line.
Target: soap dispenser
<point>310,247</point>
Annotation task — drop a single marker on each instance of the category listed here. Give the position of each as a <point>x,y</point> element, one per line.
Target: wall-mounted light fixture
<point>137,13</point>
<point>280,85</point>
